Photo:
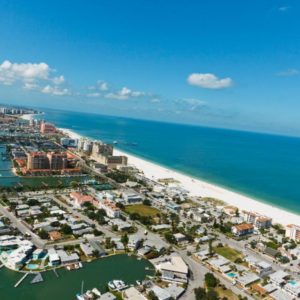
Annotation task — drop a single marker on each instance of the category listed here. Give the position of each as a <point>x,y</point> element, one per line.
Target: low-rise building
<point>54,259</point>
<point>173,268</point>
<point>66,258</point>
<point>110,208</point>
<point>242,229</point>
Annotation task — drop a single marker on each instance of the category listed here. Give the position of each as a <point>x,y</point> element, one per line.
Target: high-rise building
<point>37,161</point>
<point>293,232</point>
<point>102,149</point>
<point>68,142</point>
<point>47,128</point>
<point>57,161</point>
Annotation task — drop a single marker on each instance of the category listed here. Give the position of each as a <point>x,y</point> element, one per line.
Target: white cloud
<point>289,72</point>
<point>26,72</point>
<point>56,91</point>
<point>102,85</point>
<point>191,104</point>
<point>124,94</point>
<point>96,94</point>
<point>209,81</point>
<point>58,80</point>
<point>30,86</point>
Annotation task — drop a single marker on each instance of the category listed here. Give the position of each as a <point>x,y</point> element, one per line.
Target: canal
<point>94,274</point>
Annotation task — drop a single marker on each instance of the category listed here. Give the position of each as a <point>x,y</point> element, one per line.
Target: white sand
<point>28,116</point>
<point>201,188</point>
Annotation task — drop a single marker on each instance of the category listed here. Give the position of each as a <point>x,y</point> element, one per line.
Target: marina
<point>95,274</point>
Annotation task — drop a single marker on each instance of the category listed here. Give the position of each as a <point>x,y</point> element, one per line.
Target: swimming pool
<point>231,275</point>
<point>32,266</point>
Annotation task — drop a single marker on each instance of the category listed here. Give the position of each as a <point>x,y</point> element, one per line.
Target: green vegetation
<point>228,253</point>
<point>142,210</point>
<point>118,176</point>
<point>210,280</point>
<point>203,294</point>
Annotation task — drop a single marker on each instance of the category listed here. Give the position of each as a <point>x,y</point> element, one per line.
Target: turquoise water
<point>231,275</point>
<point>32,266</point>
<point>266,167</point>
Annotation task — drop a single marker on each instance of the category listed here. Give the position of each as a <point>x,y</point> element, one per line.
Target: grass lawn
<point>227,293</point>
<point>228,252</point>
<point>143,210</point>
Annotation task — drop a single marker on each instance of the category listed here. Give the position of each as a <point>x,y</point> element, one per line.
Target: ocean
<point>262,166</point>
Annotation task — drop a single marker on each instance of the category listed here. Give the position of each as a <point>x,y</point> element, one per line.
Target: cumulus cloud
<point>103,86</point>
<point>25,72</point>
<point>58,80</point>
<point>124,94</point>
<point>56,91</point>
<point>289,72</point>
<point>33,77</point>
<point>209,81</point>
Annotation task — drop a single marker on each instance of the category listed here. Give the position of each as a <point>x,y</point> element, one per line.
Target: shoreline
<point>198,187</point>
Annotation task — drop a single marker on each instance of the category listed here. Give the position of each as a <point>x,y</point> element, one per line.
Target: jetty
<point>37,279</point>
<point>56,274</point>
<point>20,281</point>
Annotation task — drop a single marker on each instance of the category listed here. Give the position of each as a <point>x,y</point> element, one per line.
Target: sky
<point>230,64</point>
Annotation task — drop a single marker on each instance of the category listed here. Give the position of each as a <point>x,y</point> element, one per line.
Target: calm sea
<point>266,167</point>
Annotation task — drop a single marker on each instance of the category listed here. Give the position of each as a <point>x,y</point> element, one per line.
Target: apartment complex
<point>293,232</point>
<point>47,128</point>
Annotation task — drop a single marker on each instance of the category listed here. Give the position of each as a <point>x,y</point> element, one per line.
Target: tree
<point>124,239</point>
<point>210,280</point>
<point>43,234</point>
<point>66,229</point>
<point>170,238</point>
<point>152,296</point>
<point>212,295</point>
<point>210,247</point>
<point>200,293</point>
<point>147,202</point>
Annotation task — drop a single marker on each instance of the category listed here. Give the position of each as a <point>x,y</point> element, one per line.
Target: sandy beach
<point>198,187</point>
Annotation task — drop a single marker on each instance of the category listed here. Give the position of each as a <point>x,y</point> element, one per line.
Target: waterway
<point>9,179</point>
<point>94,274</point>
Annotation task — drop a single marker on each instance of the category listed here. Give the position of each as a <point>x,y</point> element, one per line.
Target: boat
<point>96,292</point>
<point>117,285</point>
<point>74,266</point>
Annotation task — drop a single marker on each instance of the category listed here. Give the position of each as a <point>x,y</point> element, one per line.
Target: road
<point>83,217</point>
<point>36,240</point>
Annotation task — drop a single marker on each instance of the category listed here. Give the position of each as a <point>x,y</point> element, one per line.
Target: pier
<point>56,274</point>
<point>37,279</point>
<point>20,281</point>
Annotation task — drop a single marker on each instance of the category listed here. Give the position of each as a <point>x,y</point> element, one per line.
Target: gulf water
<point>263,166</point>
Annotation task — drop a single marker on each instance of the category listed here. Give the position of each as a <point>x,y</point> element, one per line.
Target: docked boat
<point>74,266</point>
<point>96,292</point>
<point>117,285</point>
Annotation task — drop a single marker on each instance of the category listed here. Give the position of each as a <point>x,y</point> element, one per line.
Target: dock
<point>54,271</point>
<point>37,279</point>
<point>20,281</point>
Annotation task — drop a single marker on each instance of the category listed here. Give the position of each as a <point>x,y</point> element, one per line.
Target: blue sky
<point>233,64</point>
